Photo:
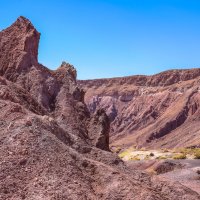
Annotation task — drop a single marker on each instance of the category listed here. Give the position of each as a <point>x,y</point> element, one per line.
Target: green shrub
<point>161,158</point>
<point>179,156</point>
<point>136,158</point>
<point>191,151</point>
<point>185,151</point>
<point>197,155</point>
<point>151,154</point>
<point>124,153</point>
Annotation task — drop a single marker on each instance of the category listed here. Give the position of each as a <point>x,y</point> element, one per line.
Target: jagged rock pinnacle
<point>18,47</point>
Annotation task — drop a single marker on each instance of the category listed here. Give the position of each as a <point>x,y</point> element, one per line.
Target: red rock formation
<point>160,111</point>
<point>50,146</point>
<point>100,125</point>
<point>18,48</point>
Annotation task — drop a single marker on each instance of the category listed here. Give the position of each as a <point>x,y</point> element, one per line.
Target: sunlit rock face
<point>18,48</point>
<point>159,111</point>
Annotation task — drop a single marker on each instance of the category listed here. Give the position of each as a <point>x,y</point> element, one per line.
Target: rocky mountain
<point>159,111</point>
<point>51,146</point>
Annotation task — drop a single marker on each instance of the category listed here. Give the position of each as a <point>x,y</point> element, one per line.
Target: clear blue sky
<point>109,38</point>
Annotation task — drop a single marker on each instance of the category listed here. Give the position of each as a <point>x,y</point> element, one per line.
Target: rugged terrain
<point>51,147</point>
<point>159,111</point>
<point>185,171</point>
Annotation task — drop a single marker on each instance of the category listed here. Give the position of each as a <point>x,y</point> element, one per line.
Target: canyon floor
<point>186,172</point>
<point>167,165</point>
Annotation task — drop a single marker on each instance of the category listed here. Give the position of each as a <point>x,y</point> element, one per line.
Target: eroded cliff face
<point>160,111</point>
<point>18,48</point>
<point>51,147</point>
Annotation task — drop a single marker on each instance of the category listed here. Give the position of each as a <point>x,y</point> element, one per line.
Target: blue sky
<point>109,38</point>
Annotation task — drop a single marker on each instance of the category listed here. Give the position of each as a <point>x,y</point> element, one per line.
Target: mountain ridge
<point>142,109</point>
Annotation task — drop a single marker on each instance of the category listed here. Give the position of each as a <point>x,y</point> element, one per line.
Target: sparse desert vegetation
<point>197,154</point>
<point>143,154</point>
<point>179,156</point>
<point>161,158</point>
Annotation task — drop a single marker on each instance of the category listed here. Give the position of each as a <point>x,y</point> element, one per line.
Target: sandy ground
<point>144,154</point>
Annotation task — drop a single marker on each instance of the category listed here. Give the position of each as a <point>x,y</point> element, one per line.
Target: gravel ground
<point>187,176</point>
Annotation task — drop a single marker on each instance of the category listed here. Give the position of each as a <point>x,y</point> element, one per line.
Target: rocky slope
<point>159,111</point>
<point>51,147</point>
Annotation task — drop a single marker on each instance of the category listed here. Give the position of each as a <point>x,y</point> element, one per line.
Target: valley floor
<point>167,165</point>
<point>187,175</point>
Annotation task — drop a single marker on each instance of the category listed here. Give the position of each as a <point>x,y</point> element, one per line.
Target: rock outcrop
<point>18,48</point>
<point>159,111</point>
<point>100,125</point>
<point>51,147</point>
